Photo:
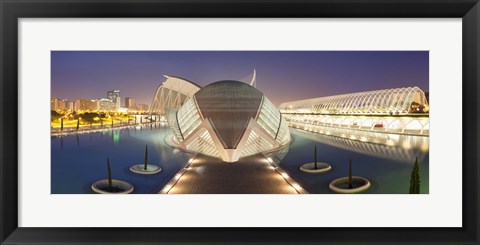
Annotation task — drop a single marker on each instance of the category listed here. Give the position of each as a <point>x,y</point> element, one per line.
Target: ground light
<point>111,186</point>
<point>145,168</point>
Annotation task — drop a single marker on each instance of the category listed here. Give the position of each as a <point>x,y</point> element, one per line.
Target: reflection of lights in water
<point>389,146</point>
<point>116,136</point>
<point>406,145</point>
<point>424,147</point>
<point>390,142</point>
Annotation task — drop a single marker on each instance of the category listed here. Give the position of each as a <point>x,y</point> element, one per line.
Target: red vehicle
<point>378,125</point>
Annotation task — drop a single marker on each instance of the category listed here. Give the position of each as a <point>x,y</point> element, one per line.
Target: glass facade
<point>269,117</point>
<point>256,144</point>
<point>203,144</point>
<point>172,121</point>
<point>188,118</point>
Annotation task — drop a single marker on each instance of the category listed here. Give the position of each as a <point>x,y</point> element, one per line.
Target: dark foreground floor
<point>250,175</point>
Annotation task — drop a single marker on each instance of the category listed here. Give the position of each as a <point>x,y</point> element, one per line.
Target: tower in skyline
<point>130,103</point>
<point>114,96</point>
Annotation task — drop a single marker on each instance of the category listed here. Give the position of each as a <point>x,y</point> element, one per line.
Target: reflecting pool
<point>80,160</point>
<point>385,159</point>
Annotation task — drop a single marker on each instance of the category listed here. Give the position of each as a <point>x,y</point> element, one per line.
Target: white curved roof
<point>180,85</point>
<point>396,100</point>
<point>172,93</point>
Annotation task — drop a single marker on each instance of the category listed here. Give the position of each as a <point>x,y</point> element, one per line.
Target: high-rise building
<point>86,105</point>
<point>60,105</point>
<point>54,104</point>
<point>114,96</point>
<point>130,103</point>
<point>142,107</point>
<point>69,106</point>
<point>105,104</point>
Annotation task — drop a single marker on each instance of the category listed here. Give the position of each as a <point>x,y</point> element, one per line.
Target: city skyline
<point>137,74</point>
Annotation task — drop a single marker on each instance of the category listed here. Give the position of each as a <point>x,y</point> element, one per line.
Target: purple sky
<point>281,75</point>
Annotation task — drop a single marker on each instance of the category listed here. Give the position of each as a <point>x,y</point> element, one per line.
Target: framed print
<point>224,122</point>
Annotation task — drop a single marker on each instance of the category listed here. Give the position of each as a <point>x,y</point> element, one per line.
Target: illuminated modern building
<point>228,120</point>
<point>142,107</point>
<point>172,94</point>
<point>60,105</point>
<point>86,105</point>
<point>105,104</point>
<point>114,96</point>
<point>54,104</point>
<point>130,103</point>
<point>387,102</point>
<point>399,110</point>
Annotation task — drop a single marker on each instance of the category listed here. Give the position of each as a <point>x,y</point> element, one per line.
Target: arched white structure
<point>388,102</point>
<point>172,94</point>
<point>228,120</point>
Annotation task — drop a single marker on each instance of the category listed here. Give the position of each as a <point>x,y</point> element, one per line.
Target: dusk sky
<point>281,75</point>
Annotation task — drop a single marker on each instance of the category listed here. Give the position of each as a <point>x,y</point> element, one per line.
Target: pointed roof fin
<point>253,83</point>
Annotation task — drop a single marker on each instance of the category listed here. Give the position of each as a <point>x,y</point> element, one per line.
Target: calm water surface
<point>387,167</point>
<point>80,160</point>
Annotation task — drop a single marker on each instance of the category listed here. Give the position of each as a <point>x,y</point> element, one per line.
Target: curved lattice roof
<point>172,94</point>
<point>387,101</point>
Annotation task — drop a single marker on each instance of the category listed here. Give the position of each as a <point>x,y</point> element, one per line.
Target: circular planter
<point>322,167</point>
<point>140,169</point>
<point>340,185</point>
<point>118,186</point>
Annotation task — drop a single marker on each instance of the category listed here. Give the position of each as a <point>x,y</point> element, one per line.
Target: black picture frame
<point>11,11</point>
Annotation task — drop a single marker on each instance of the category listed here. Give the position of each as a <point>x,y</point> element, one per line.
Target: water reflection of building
<point>399,110</point>
<point>388,146</point>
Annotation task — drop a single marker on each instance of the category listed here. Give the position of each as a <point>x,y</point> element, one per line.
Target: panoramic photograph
<point>239,122</point>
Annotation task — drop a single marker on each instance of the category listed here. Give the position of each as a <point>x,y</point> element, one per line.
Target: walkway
<point>250,175</point>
